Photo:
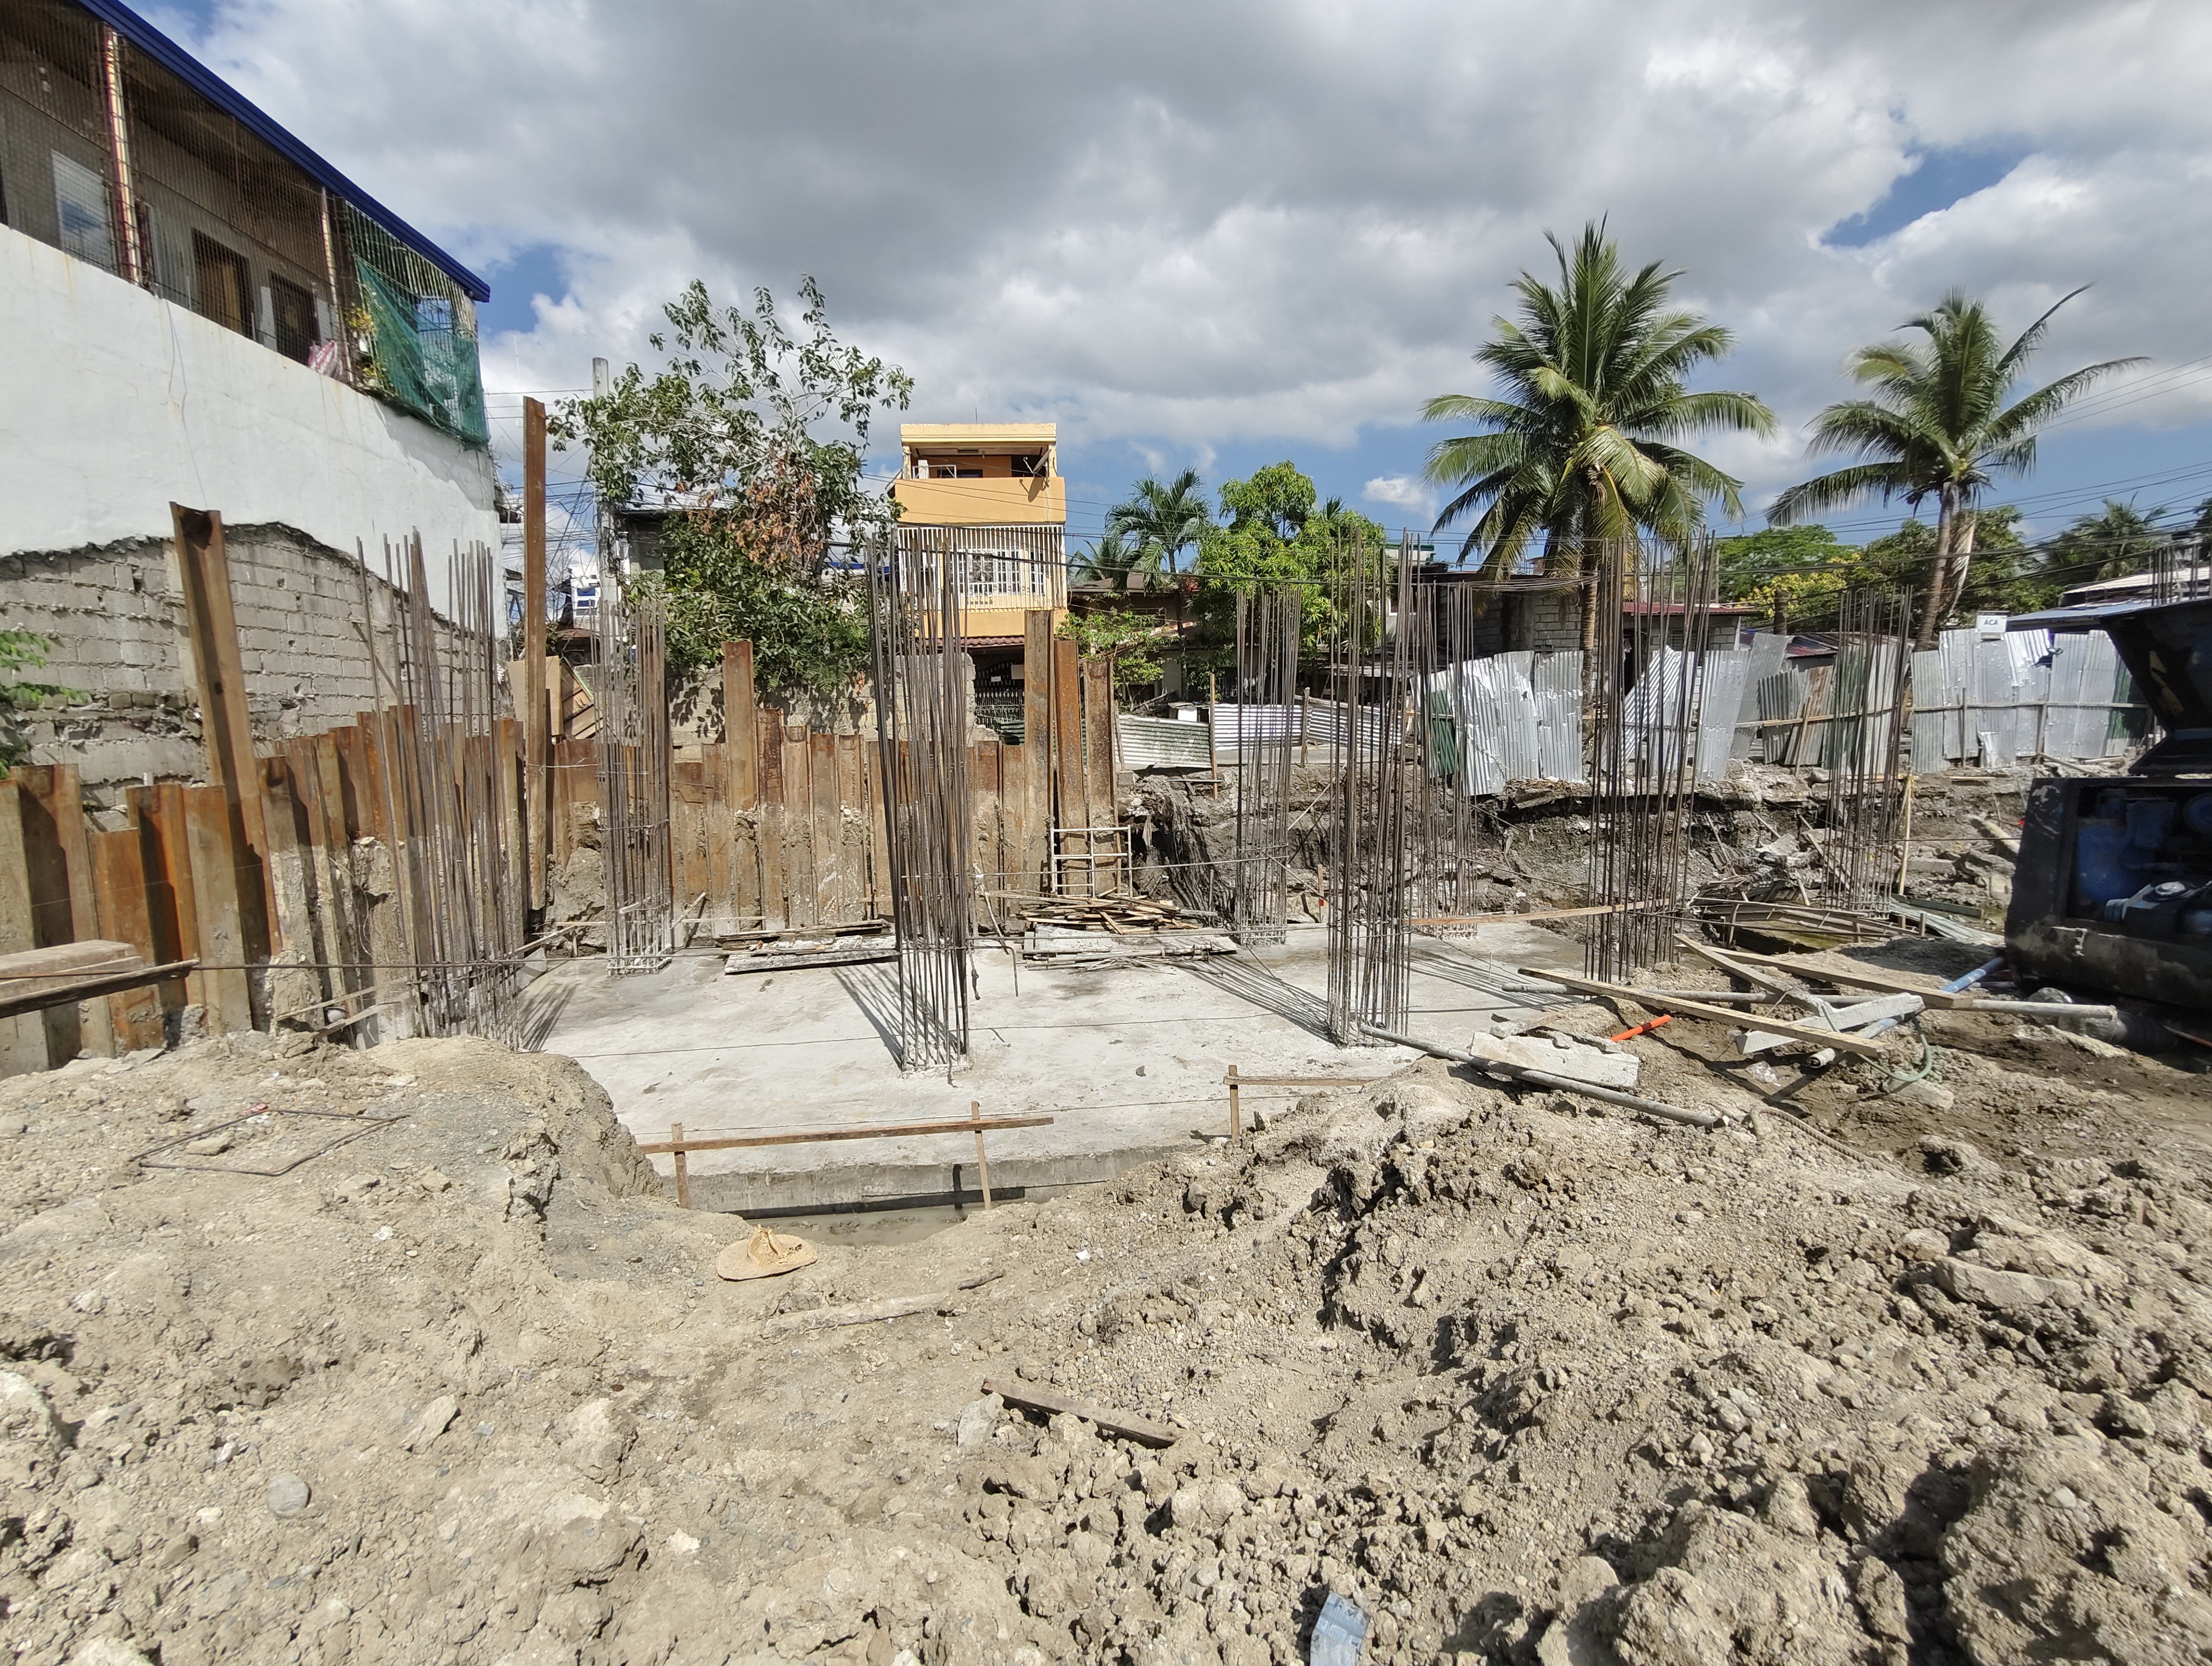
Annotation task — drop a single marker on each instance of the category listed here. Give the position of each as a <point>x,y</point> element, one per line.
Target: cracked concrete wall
<point>115,617</point>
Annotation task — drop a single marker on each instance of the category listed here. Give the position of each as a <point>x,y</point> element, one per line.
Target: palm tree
<point>1937,425</point>
<point>1581,445</point>
<point>1113,555</point>
<point>1165,520</point>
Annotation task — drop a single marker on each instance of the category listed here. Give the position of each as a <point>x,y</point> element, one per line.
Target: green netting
<point>422,357</point>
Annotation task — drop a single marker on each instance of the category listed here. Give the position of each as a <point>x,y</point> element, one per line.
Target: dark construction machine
<point>2113,890</point>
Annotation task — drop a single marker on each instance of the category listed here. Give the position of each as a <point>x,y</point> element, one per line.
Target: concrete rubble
<point>1514,1382</point>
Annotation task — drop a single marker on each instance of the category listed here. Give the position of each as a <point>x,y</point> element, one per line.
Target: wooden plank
<point>852,832</point>
<point>815,1136</point>
<point>1068,809</point>
<point>294,882</point>
<point>774,864</point>
<point>64,803</point>
<point>371,786</point>
<point>825,827</point>
<point>536,717</point>
<point>210,835</point>
<point>740,727</point>
<point>211,632</point>
<point>161,824</point>
<point>1812,1033</point>
<point>347,942</point>
<point>1857,977</point>
<point>119,872</point>
<point>1098,742</point>
<point>23,1040</point>
<point>1126,1425</point>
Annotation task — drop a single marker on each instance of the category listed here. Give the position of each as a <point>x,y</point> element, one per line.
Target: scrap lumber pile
<point>1104,931</point>
<point>780,951</point>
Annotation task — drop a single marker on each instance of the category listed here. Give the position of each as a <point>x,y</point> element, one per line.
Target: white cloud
<point>1400,491</point>
<point>1190,228</point>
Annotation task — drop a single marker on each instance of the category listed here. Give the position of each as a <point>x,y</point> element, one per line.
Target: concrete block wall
<point>1547,622</point>
<point>114,616</point>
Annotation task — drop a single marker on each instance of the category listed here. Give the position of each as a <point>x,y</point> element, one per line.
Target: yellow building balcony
<point>1009,501</point>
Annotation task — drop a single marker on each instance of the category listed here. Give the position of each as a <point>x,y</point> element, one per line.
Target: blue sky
<point>1277,239</point>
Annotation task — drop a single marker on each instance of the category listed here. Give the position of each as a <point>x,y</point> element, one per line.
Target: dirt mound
<point>1523,1383</point>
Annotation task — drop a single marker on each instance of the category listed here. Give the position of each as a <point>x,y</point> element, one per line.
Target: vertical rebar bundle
<point>1266,702</point>
<point>924,685</point>
<point>1645,679</point>
<point>632,700</point>
<point>1864,733</point>
<point>1439,629</point>
<point>1370,668</point>
<point>452,797</point>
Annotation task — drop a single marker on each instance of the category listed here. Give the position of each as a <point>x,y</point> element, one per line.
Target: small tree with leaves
<point>1127,642</point>
<point>22,650</point>
<point>759,437</point>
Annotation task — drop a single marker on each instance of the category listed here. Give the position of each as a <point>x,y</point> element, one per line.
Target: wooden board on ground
<point>801,960</point>
<point>1128,1424</point>
<point>1812,1034</point>
<point>1857,977</point>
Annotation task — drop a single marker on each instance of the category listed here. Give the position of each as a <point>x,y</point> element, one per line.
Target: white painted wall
<point>114,402</point>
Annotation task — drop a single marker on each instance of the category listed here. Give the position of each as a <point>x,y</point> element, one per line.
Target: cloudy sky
<point>1219,235</point>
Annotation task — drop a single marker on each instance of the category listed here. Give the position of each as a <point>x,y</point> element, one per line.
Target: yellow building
<point>990,495</point>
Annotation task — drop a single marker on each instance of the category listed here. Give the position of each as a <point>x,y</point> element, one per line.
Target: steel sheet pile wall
<point>365,882</point>
<point>923,682</point>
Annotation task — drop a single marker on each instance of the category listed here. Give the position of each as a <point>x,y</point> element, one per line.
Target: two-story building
<point>200,309</point>
<point>990,495</point>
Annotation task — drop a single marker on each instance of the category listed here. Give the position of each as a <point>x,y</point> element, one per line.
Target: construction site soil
<point>1925,1381</point>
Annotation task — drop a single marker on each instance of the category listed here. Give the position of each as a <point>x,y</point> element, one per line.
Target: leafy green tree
<point>2009,575</point>
<point>1583,444</point>
<point>759,435</point>
<point>1111,555</point>
<point>1940,423</point>
<point>2118,540</point>
<point>1278,500</point>
<point>1164,520</point>
<point>1274,537</point>
<point>22,650</point>
<point>1797,573</point>
<point>1129,642</point>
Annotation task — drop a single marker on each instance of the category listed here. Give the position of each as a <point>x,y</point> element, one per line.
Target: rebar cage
<point>924,684</point>
<point>632,702</point>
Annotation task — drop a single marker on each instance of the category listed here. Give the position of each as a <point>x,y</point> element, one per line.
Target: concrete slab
<point>1128,1060</point>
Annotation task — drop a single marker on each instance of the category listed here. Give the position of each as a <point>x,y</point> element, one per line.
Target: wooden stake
<point>1236,1120</point>
<point>982,1162</point>
<point>536,717</point>
<point>682,1168</point>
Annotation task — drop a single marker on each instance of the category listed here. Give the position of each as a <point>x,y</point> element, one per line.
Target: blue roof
<point>201,80</point>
